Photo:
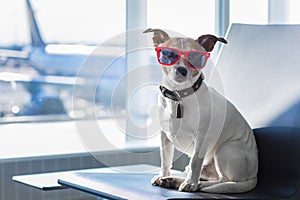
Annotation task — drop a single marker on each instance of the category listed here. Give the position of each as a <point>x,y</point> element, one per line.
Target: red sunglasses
<point>169,56</point>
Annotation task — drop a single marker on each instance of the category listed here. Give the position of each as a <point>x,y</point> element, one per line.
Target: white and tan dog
<point>200,122</point>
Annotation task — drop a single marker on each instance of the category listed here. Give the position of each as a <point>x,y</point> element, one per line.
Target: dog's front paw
<point>188,186</point>
<point>156,180</point>
<point>170,182</point>
<point>167,182</point>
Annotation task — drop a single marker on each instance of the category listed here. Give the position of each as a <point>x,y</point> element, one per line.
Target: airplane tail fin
<point>231,187</point>
<point>36,38</point>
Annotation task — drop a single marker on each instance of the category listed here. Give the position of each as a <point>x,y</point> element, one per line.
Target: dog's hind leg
<point>231,187</point>
<point>209,172</point>
<point>237,166</point>
<point>204,184</point>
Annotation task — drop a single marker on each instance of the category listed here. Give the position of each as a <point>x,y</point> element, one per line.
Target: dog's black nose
<point>181,71</point>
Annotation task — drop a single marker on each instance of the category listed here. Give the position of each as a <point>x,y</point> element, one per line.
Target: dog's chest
<point>181,131</point>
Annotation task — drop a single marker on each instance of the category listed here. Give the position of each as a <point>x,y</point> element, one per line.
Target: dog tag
<point>179,111</point>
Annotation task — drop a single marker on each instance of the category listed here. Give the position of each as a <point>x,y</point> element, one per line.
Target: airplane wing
<point>52,80</point>
<point>6,53</point>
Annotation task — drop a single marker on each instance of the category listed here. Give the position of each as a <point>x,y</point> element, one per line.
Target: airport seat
<point>258,71</point>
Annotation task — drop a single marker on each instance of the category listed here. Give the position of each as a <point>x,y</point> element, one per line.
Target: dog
<point>200,122</point>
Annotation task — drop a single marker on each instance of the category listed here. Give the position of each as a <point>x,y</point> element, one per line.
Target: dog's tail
<point>231,187</point>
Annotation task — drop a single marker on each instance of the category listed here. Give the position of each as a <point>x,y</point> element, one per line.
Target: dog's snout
<point>181,71</point>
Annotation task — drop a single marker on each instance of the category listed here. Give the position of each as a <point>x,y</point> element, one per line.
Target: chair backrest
<point>259,72</point>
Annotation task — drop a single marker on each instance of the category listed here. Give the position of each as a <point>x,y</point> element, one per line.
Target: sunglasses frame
<point>180,53</point>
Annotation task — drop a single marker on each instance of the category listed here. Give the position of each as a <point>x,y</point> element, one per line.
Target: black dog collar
<point>176,95</point>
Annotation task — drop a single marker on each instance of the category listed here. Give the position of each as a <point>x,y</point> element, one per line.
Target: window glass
<point>249,11</point>
<point>67,74</point>
<point>191,18</point>
<point>13,23</point>
<point>45,73</point>
<point>293,15</point>
<point>88,21</point>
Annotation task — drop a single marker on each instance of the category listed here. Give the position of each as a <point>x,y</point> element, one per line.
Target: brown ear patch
<point>159,36</point>
<point>208,41</point>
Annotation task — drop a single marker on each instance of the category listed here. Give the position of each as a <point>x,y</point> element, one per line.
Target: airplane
<point>62,69</point>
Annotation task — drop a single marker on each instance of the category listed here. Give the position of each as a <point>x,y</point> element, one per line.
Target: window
<point>191,18</point>
<point>249,11</point>
<point>89,21</point>
<point>15,12</point>
<point>70,33</point>
<point>38,77</point>
<point>45,75</point>
<point>265,11</point>
<point>292,12</point>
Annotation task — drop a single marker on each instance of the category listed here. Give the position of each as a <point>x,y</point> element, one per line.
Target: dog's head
<point>182,58</point>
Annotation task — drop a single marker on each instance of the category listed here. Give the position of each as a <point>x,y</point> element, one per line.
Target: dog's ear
<point>159,36</point>
<point>208,41</point>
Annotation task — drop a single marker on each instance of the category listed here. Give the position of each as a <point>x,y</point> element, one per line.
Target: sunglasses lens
<point>167,56</point>
<point>196,59</point>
